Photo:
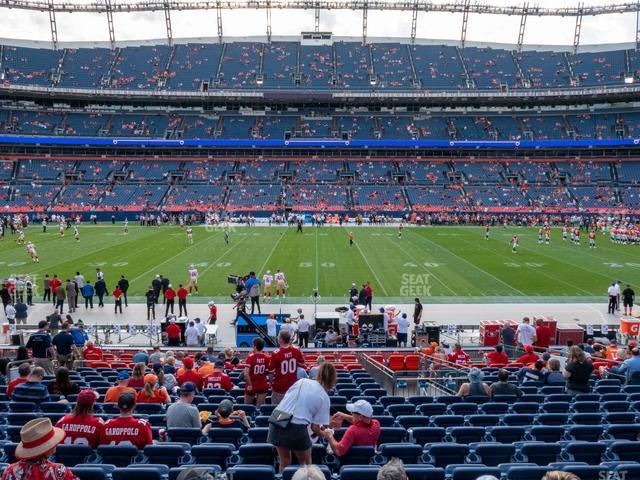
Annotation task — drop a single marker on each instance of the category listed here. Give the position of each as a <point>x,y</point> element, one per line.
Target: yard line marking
<point>397,244</point>
<point>375,275</point>
<point>271,253</point>
<point>195,244</point>
<point>317,262</point>
<point>213,263</point>
<point>473,265</point>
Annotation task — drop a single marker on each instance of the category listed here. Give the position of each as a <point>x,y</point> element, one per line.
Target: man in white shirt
<point>303,332</point>
<point>272,325</point>
<point>288,326</point>
<point>612,292</point>
<point>385,319</point>
<point>349,316</point>
<point>403,330</point>
<point>202,329</point>
<point>191,337</point>
<point>525,334</point>
<point>10,312</point>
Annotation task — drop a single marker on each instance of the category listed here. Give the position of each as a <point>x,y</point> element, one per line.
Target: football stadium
<point>295,240</point>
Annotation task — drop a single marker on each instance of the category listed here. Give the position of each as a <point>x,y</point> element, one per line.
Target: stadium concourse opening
<point>317,256</point>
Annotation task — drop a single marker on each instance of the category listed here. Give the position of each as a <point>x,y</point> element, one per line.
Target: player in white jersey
<point>400,227</point>
<point>44,225</point>
<point>126,226</point>
<point>61,229</point>
<point>76,234</point>
<point>20,239</point>
<point>281,285</point>
<point>190,236</point>
<point>193,278</point>
<point>267,280</point>
<point>31,248</point>
<point>514,244</point>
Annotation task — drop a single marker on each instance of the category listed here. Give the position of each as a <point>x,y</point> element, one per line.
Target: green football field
<point>438,264</point>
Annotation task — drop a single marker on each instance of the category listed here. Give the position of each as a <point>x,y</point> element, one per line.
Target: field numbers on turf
<point>305,265</point>
<point>223,264</point>
<point>431,264</point>
<point>327,264</point>
<point>621,265</point>
<point>104,264</point>
<point>527,264</point>
<point>409,264</point>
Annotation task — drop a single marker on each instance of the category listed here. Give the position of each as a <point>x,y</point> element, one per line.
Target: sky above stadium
<point>483,28</point>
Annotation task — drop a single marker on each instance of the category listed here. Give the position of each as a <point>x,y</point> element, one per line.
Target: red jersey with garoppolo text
<point>257,363</point>
<point>218,380</point>
<point>284,363</point>
<point>459,357</point>
<point>127,431</point>
<point>82,429</point>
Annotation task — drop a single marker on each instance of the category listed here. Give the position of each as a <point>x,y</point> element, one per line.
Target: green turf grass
<point>439,264</point>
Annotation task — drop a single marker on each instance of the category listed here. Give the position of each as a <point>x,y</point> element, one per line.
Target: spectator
<point>122,386</point>
<point>87,293</point>
<point>628,297</point>
<point>308,472</point>
<point>458,356</point>
<point>565,350</point>
<point>63,385</point>
<point>169,299</point>
<point>173,333</point>
<point>80,337</point>
<point>70,288</point>
<point>507,337</point>
<point>503,387</point>
<point>141,356</point>
<point>559,475</point>
<point>535,374</point>
<point>525,334</point>
<point>156,355</point>
<point>303,331</point>
<point>227,417</point>
<point>475,386</point>
<point>123,284</point>
<point>213,313</point>
<point>21,312</point>
<point>272,326</point>
<point>117,299</point>
<point>218,379</point>
<point>307,402</point>
<point>137,376</point>
<point>252,285</point>
<point>314,370</point>
<point>33,390</point>
<point>202,331</point>
<point>23,371</point>
<point>529,357</point>
<point>152,299</point>
<point>189,374</point>
<point>150,394</point>
<point>10,313</point>
<point>182,300</point>
<point>53,321</point>
<point>364,429</point>
<point>183,414</point>
<point>39,440</point>
<point>191,337</point>
<point>126,429</point>
<point>497,357</point>
<point>284,364</point>
<point>92,352</point>
<point>65,346</point>
<point>166,380</point>
<point>543,336</point>
<point>628,369</point>
<point>417,311</point>
<point>230,358</point>
<point>101,291</point>
<point>403,330</point>
<point>60,295</point>
<point>553,376</point>
<point>393,470</point>
<point>577,371</point>
<point>81,426</point>
<point>42,348</point>
<point>190,473</point>
<point>255,374</point>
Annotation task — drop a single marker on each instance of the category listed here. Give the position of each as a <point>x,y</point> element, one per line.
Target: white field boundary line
<point>375,275</point>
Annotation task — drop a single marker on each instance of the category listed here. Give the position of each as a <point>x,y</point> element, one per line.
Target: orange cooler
<point>630,326</point>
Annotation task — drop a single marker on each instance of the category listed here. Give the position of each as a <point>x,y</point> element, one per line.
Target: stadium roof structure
<point>464,7</point>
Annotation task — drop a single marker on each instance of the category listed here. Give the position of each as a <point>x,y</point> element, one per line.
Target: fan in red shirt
<point>255,374</point>
<point>497,357</point>
<point>189,374</point>
<point>213,312</point>
<point>543,336</point>
<point>528,357</point>
<point>81,426</point>
<point>173,333</point>
<point>55,283</point>
<point>125,429</point>
<point>92,353</point>
<point>182,300</point>
<point>217,378</point>
<point>284,363</point>
<point>459,356</point>
<point>23,370</point>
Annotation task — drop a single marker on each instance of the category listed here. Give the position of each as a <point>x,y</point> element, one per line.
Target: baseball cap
<point>150,378</point>
<point>123,375</point>
<point>187,362</point>
<point>126,400</point>
<point>219,363</point>
<point>87,397</point>
<point>362,407</point>
<point>528,348</point>
<point>188,387</point>
<point>225,408</point>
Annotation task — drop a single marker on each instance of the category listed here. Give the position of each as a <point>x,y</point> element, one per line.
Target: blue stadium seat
<point>465,435</point>
<point>619,418</point>
<point>538,453</point>
<point>431,409</point>
<point>136,474</point>
<point>54,407</point>
<point>447,420</point>
<point>510,399</point>
<point>392,435</point>
<point>586,418</point>
<point>623,450</point>
<point>408,453</point>
<point>484,420</point>
<point>424,435</point>
<point>588,452</point>
<point>518,419</point>
<point>544,433</point>
<point>358,455</point>
<point>171,454</point>
<point>391,400</point>
<point>266,409</point>
<point>463,408</point>
<point>401,409</point>
<point>491,454</point>
<point>447,399</point>
<point>261,421</point>
<point>91,473</point>
<point>213,454</point>
<point>559,397</point>
<point>288,472</point>
<point>359,472</point>
<point>418,400</point>
<point>251,472</point>
<point>585,433</point>
<point>411,421</point>
<point>157,420</point>
<point>627,471</point>
<point>214,470</point>
<point>471,472</point>
<point>225,435</point>
<point>525,408</point>
<point>615,397</point>
<point>257,454</point>
<point>71,455</point>
<point>258,434</point>
<point>615,406</point>
<point>494,408</point>
<point>552,419</point>
<point>118,455</point>
<point>587,472</point>
<point>555,407</point>
<point>623,432</point>
<point>505,434</point>
<point>443,454</point>
<point>20,419</point>
<point>192,436</point>
<point>424,472</point>
<point>23,407</point>
<point>586,397</point>
<point>526,473</point>
<point>385,420</point>
<point>585,407</point>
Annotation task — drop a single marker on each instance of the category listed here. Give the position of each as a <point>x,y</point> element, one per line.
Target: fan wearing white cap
<point>364,429</point>
<point>39,440</point>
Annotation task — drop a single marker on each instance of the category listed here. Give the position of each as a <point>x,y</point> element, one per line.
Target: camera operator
<point>252,286</point>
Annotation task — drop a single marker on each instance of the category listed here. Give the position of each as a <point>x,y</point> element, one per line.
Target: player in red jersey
<point>592,239</point>
<point>487,232</point>
<point>284,364</point>
<point>217,378</point>
<point>125,429</point>
<point>255,374</point>
<point>81,426</point>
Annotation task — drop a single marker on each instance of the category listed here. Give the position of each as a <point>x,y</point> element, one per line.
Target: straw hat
<point>38,437</point>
